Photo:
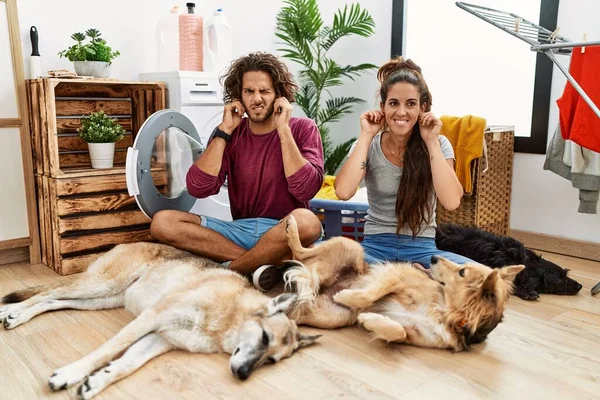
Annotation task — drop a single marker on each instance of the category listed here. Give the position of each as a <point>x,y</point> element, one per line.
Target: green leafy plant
<point>95,50</point>
<point>100,128</point>
<point>307,41</point>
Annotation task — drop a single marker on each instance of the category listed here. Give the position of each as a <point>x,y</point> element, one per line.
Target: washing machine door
<point>164,149</point>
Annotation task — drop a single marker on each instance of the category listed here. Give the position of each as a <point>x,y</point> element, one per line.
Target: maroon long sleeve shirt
<point>253,166</point>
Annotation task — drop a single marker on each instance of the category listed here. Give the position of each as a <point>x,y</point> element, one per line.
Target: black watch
<point>219,133</point>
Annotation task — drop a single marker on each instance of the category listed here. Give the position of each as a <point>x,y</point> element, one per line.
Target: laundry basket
<point>341,218</point>
<point>488,206</point>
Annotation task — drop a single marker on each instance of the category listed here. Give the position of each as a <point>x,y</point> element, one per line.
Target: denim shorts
<point>383,247</point>
<point>243,232</point>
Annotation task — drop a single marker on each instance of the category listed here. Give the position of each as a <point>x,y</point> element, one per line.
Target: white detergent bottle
<point>219,43</point>
<point>167,41</point>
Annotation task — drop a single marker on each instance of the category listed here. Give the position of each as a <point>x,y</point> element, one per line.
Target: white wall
<point>129,26</point>
<point>543,201</point>
<point>13,206</point>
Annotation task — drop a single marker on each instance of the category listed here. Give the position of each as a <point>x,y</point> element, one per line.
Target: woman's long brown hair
<point>413,201</point>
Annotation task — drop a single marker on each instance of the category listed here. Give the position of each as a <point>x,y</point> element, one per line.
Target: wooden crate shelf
<point>84,212</point>
<point>57,107</point>
<point>83,217</point>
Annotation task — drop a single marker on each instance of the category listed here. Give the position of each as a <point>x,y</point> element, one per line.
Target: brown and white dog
<point>181,302</point>
<point>397,302</point>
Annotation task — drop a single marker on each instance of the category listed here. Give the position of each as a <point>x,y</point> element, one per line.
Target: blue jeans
<point>383,247</point>
<point>243,232</point>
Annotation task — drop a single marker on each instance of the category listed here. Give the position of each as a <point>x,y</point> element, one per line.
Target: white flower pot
<point>102,154</point>
<point>97,69</point>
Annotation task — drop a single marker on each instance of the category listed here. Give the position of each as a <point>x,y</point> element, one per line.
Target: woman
<point>406,164</point>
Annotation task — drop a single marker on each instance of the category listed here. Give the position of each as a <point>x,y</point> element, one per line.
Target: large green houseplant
<point>93,58</point>
<point>306,41</point>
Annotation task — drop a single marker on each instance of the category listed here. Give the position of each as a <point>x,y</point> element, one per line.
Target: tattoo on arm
<point>363,164</point>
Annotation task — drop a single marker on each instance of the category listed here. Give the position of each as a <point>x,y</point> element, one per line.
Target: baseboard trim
<point>14,255</point>
<point>14,243</point>
<point>555,244</point>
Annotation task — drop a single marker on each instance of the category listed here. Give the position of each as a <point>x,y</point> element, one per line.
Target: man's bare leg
<point>184,230</point>
<point>272,248</point>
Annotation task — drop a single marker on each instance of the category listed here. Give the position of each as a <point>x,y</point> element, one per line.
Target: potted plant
<point>101,132</point>
<point>93,58</point>
<point>307,41</point>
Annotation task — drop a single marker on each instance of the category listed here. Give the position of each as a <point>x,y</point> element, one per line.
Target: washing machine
<point>169,142</point>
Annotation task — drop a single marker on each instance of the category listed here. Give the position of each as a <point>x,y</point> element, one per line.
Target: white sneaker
<point>267,277</point>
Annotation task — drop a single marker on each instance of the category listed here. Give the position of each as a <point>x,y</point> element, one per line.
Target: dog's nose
<point>243,372</point>
<point>434,259</point>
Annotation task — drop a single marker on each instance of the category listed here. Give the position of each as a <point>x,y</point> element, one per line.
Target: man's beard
<point>267,115</point>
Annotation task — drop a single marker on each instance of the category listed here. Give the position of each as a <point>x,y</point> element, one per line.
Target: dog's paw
<point>290,223</point>
<point>91,386</point>
<point>529,295</point>
<point>66,377</point>
<point>352,298</point>
<point>382,327</point>
<point>11,321</point>
<point>369,320</point>
<point>6,311</point>
<point>16,318</point>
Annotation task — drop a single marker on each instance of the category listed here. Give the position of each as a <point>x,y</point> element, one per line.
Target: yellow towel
<point>466,136</point>
<point>327,190</point>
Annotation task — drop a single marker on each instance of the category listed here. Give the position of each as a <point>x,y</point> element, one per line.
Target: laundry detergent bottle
<point>191,40</point>
<point>220,42</point>
<point>167,41</point>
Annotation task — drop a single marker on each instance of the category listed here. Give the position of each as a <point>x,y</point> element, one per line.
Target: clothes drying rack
<point>541,39</point>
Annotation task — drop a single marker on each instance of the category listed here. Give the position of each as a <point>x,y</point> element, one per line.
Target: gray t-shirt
<point>382,179</point>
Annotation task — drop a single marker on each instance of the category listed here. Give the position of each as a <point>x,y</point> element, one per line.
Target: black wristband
<point>219,133</point>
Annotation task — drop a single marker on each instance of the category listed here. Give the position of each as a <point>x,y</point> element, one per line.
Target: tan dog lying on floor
<point>181,302</point>
<point>460,306</point>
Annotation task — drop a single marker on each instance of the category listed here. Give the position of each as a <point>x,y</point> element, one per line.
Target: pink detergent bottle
<point>191,40</point>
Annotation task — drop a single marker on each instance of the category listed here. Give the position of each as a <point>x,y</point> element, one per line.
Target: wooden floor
<point>545,349</point>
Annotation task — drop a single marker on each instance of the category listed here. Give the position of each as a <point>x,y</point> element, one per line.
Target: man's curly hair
<point>283,80</point>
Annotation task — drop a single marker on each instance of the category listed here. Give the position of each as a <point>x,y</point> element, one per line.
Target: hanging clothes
<point>579,165</point>
<point>578,122</point>
<point>466,134</point>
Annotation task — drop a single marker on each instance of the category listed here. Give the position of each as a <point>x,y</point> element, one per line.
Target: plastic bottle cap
<point>174,9</point>
<point>219,10</point>
<point>190,4</point>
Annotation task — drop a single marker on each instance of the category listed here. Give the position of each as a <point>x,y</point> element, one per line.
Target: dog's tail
<point>24,294</point>
<point>302,280</point>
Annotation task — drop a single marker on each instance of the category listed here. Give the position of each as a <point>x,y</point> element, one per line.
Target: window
<point>475,68</point>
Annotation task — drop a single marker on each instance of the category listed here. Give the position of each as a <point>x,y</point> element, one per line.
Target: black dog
<point>539,275</point>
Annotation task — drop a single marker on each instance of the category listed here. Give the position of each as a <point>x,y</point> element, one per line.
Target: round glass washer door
<point>164,149</point>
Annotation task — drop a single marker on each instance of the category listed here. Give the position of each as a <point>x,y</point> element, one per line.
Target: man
<point>273,163</point>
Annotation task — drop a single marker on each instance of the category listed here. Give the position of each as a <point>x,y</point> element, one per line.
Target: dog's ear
<point>509,273</point>
<point>488,289</point>
<point>303,340</point>
<point>283,303</point>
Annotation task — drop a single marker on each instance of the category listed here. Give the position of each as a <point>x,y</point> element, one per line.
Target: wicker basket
<point>488,206</point>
